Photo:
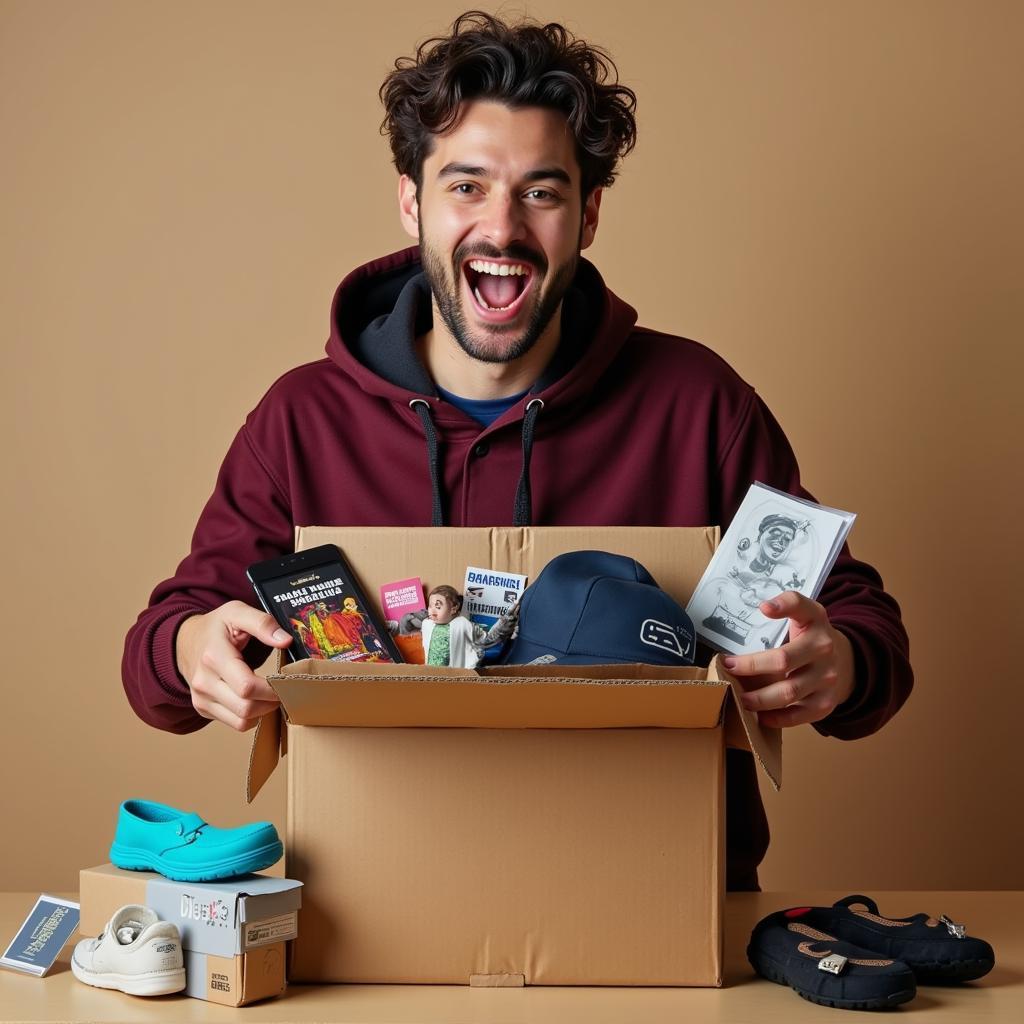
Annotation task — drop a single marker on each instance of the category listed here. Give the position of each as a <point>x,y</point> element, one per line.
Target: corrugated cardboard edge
<point>381,699</point>
<point>268,746</point>
<point>743,730</point>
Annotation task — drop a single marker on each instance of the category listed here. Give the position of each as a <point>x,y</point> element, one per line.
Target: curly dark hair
<point>522,65</point>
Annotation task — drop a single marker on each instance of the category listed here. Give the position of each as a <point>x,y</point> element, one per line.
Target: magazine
<point>488,596</point>
<point>404,611</point>
<point>402,598</point>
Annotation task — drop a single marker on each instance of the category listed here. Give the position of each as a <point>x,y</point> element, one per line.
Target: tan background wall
<point>828,194</point>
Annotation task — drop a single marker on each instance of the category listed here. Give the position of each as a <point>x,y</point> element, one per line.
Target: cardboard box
<point>520,825</point>
<point>233,933</point>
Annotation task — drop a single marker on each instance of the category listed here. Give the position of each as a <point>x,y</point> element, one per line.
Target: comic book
<point>776,542</point>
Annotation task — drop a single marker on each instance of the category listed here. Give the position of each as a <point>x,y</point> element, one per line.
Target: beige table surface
<point>996,916</point>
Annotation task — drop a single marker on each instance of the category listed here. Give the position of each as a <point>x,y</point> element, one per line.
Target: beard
<point>496,343</point>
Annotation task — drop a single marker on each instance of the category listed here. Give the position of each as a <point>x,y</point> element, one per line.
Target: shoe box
<point>233,932</point>
<point>516,825</point>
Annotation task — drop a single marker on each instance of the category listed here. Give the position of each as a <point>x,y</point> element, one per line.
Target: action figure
<point>451,639</point>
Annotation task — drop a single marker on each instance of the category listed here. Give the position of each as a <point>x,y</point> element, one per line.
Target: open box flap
<point>266,750</point>
<point>743,730</point>
<point>552,697</point>
<point>541,697</point>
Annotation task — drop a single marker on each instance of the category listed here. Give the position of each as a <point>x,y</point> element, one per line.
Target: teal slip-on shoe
<point>180,845</point>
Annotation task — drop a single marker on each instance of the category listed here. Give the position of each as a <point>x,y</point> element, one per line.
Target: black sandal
<point>821,967</point>
<point>936,949</point>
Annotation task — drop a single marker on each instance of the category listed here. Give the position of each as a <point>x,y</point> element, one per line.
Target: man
<point>499,381</point>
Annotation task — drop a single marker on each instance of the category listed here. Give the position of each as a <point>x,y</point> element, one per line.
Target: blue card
<point>40,939</point>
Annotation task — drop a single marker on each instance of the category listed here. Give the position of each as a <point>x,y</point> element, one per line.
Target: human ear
<point>408,206</point>
<point>591,212</point>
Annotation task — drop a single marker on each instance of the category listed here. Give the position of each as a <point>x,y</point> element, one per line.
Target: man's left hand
<point>806,678</point>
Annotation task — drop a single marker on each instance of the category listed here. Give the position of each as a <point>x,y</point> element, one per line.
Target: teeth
<point>480,299</point>
<point>498,269</point>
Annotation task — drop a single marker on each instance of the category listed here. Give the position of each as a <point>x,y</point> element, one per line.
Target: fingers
<point>226,664</point>
<point>208,652</point>
<point>804,680</point>
<point>239,702</point>
<point>794,684</point>
<point>243,618</point>
<point>751,683</point>
<point>219,710</point>
<point>225,689</point>
<point>795,688</point>
<point>797,714</point>
<point>800,610</point>
<point>780,661</point>
<point>220,713</point>
<point>808,695</point>
<point>229,626</point>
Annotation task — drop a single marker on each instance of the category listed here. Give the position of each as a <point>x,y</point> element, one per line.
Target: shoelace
<point>522,508</point>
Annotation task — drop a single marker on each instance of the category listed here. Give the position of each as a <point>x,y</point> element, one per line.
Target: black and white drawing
<point>775,543</point>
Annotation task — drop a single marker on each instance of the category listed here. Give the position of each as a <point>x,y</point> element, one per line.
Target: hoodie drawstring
<point>522,510</point>
<point>422,408</point>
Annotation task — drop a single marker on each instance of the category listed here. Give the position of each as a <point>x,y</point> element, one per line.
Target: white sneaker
<point>137,953</point>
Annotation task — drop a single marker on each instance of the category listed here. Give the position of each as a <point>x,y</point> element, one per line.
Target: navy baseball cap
<point>597,608</point>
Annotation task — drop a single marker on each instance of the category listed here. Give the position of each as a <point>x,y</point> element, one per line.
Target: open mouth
<point>497,287</point>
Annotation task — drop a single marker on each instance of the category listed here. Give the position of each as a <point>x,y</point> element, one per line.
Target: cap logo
<point>664,637</point>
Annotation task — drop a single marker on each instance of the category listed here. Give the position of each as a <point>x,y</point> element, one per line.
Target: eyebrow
<point>539,174</point>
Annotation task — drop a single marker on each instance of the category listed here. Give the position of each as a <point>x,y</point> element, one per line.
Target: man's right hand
<point>208,652</point>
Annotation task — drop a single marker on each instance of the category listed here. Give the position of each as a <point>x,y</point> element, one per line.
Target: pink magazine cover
<point>398,600</point>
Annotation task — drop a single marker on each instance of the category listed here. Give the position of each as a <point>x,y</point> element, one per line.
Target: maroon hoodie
<point>636,428</point>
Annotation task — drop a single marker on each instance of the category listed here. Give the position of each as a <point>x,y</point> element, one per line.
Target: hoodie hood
<point>381,307</point>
